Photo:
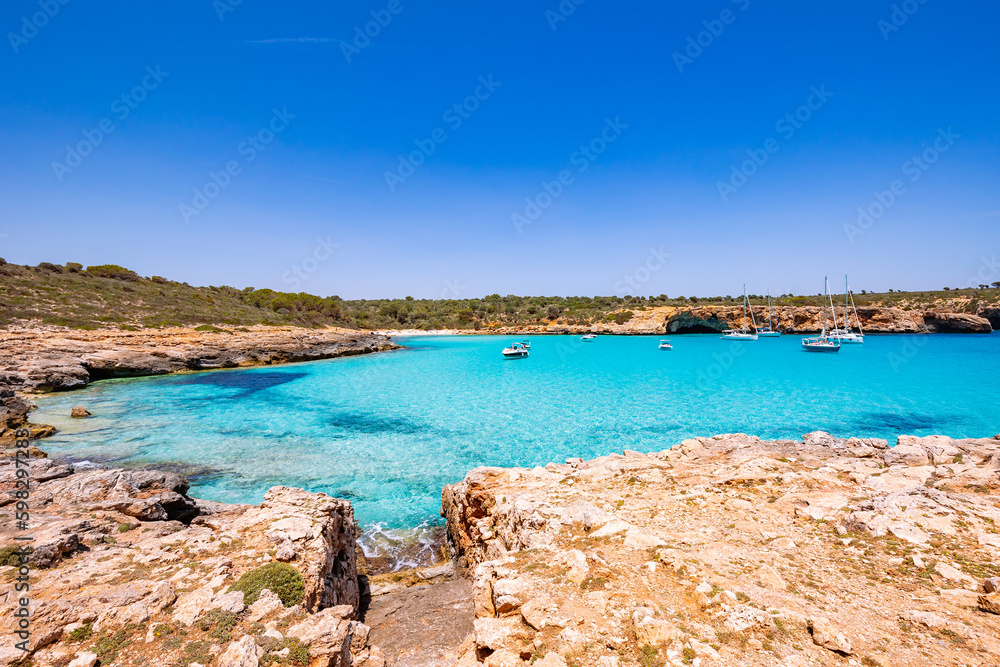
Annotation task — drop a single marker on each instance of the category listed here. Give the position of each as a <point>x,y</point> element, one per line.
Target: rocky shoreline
<point>737,551</point>
<point>662,320</point>
<point>46,359</point>
<point>728,550</point>
<point>125,568</point>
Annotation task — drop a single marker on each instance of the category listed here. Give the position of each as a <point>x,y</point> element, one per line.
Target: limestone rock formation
<point>55,359</point>
<point>123,561</point>
<point>734,550</point>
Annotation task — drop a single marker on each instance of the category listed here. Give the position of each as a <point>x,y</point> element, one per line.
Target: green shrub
<point>197,651</point>
<point>108,645</point>
<point>650,657</point>
<point>10,556</point>
<point>73,267</point>
<point>210,328</point>
<point>280,578</point>
<point>112,271</point>
<point>219,623</point>
<point>82,633</point>
<point>298,653</point>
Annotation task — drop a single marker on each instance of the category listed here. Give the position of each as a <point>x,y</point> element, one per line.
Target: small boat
<point>526,344</point>
<point>515,351</point>
<point>847,334</point>
<point>665,345</point>
<point>745,333</point>
<point>588,337</point>
<point>823,343</point>
<point>769,331</point>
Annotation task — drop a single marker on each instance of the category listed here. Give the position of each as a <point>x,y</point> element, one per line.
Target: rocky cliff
<point>57,359</point>
<point>125,568</point>
<point>736,551</point>
<point>790,319</point>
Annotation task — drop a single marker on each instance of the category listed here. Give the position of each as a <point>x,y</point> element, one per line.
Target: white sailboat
<point>744,333</point>
<point>769,331</point>
<point>847,334</point>
<point>823,343</point>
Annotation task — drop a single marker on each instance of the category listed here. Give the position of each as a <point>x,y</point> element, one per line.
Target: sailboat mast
<point>847,314</point>
<point>744,307</point>
<point>826,291</point>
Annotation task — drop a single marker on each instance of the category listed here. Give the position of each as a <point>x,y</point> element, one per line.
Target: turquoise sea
<point>387,431</point>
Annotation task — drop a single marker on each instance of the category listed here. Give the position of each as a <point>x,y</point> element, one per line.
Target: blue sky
<point>647,111</point>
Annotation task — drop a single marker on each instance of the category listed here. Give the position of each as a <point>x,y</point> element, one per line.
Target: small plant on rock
<point>280,578</point>
<point>218,623</point>
<point>650,657</point>
<point>82,633</point>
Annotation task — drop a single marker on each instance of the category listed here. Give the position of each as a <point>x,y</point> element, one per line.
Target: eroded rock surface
<point>736,551</point>
<point>127,567</point>
<point>56,359</point>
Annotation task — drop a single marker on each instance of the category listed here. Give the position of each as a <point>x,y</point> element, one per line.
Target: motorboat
<point>744,333</point>
<point>588,337</point>
<point>665,345</point>
<point>515,351</point>
<point>526,344</point>
<point>823,343</point>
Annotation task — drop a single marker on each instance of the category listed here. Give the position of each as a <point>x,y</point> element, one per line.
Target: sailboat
<point>848,335</point>
<point>769,331</point>
<point>744,333</point>
<point>823,343</point>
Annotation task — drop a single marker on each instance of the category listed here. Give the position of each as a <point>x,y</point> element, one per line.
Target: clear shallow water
<point>387,431</point>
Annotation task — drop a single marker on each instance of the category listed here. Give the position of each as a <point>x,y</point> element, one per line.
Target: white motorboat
<point>588,337</point>
<point>769,331</point>
<point>526,344</point>
<point>665,345</point>
<point>744,333</point>
<point>823,343</point>
<point>515,351</point>
<point>848,334</point>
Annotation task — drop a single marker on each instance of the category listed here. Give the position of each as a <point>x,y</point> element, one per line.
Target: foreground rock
<point>126,567</point>
<point>737,551</point>
<point>56,359</point>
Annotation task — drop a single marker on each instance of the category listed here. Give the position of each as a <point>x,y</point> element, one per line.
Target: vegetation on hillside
<point>113,296</point>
